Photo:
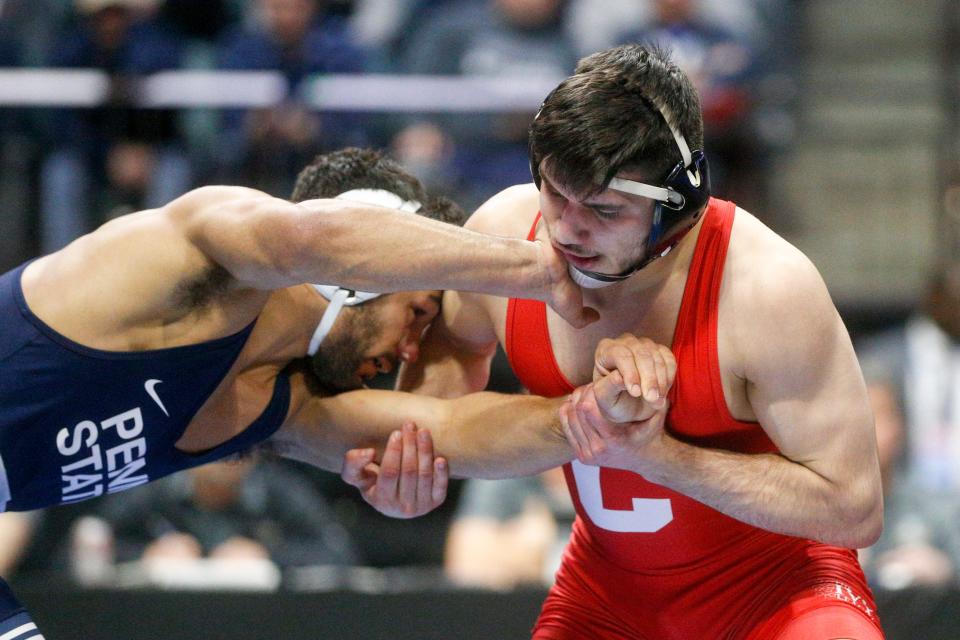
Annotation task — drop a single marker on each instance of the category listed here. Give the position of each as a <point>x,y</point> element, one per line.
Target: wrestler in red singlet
<point>647,562</point>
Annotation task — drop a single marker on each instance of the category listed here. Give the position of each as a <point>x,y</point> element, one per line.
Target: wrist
<point>534,270</point>
<point>658,458</point>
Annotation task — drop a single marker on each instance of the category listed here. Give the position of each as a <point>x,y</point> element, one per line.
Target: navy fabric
<point>19,627</point>
<point>9,607</point>
<point>77,422</point>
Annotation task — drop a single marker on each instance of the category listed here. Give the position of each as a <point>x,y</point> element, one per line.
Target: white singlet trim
<point>10,635</point>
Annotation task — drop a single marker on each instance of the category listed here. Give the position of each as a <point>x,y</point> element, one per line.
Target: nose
<point>569,226</point>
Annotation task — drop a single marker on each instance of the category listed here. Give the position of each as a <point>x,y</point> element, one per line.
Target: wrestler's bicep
<point>456,351</point>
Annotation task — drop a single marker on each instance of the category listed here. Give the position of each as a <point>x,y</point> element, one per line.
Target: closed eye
<point>607,214</point>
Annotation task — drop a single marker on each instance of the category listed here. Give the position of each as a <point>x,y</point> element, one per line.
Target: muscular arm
<point>805,387</point>
<point>269,243</point>
<point>457,350</point>
<point>483,435</point>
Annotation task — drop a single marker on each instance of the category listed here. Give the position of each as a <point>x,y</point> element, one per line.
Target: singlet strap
<point>527,344</point>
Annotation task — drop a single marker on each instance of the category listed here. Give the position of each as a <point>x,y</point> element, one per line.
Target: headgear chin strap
<point>680,202</point>
<point>337,296</point>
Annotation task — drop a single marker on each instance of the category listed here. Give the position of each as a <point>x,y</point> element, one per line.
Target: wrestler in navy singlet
<point>77,422</point>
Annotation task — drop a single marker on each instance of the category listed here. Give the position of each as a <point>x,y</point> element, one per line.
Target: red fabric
<point>676,569</point>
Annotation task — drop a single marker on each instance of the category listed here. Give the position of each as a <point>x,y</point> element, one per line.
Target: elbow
<point>862,523</point>
<point>870,527</point>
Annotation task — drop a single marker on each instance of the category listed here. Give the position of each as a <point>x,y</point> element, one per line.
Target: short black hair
<point>610,115</point>
<point>331,174</point>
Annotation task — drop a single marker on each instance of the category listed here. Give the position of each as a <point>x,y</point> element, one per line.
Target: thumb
<point>571,308</point>
<point>354,471</point>
<point>616,404</point>
<point>608,389</point>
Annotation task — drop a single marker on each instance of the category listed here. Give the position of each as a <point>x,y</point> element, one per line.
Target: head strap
<point>337,296</point>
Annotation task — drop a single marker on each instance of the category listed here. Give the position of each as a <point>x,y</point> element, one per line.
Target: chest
<point>707,352</point>
<point>238,401</point>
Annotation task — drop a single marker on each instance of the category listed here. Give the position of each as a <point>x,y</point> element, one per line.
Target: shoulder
<point>771,289</point>
<point>211,196</point>
<point>509,213</point>
<point>764,267</point>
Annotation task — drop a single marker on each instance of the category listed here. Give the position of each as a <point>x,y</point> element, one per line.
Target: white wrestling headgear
<point>339,297</point>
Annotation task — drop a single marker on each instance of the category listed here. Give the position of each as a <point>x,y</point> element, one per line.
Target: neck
<point>293,314</point>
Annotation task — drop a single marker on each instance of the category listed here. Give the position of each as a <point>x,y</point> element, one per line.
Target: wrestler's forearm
<point>272,243</point>
<point>376,249</point>
<point>483,435</point>
<point>487,435</point>
<point>771,492</point>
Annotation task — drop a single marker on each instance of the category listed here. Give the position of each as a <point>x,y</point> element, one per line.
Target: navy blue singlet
<point>76,423</point>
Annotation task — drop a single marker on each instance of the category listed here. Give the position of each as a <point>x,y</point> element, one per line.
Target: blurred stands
<point>853,151</point>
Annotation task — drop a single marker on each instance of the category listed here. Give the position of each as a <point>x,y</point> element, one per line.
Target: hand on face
<point>408,482</point>
<point>564,295</point>
<point>607,426</point>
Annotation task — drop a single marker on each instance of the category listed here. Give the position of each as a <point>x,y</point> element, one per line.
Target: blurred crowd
<point>65,170</point>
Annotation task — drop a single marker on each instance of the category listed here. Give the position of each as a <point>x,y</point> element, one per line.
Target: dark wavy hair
<point>610,116</point>
<point>333,173</point>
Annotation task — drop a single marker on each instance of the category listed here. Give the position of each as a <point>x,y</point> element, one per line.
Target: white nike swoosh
<point>150,385</point>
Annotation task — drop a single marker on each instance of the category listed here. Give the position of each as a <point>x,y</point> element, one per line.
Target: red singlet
<point>647,562</point>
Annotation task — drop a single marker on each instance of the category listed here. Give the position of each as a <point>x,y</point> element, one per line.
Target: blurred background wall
<point>836,123</point>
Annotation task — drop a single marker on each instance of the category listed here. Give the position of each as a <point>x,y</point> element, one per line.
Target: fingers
<point>616,355</point>
<point>354,464</point>
<point>648,369</point>
<point>592,424</point>
<point>568,303</point>
<point>564,296</point>
<point>441,478</point>
<point>577,417</point>
<point>409,477</point>
<point>572,431</point>
<point>390,465</point>
<point>409,482</point>
<point>425,472</point>
<point>614,405</point>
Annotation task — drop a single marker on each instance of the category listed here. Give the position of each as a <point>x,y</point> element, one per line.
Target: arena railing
<point>89,88</point>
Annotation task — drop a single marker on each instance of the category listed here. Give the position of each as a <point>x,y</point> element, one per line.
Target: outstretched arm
<point>270,243</point>
<point>484,435</point>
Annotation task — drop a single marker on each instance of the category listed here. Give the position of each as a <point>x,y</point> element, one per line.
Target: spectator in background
<point>920,544</point>
<point>507,533</point>
<point>199,21</point>
<point>116,157</point>
<point>913,375</point>
<point>32,26</point>
<point>264,148</point>
<point>237,509</point>
<point>474,155</point>
<point>16,154</point>
<point>722,66</point>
